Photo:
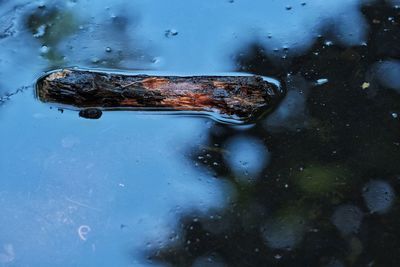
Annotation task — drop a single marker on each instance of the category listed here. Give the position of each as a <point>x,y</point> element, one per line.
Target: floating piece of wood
<point>240,98</point>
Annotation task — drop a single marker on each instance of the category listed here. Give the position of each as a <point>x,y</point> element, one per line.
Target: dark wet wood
<point>239,97</point>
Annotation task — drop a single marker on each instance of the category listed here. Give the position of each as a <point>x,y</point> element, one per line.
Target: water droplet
<point>44,49</point>
<point>288,7</point>
<point>108,49</point>
<point>394,115</point>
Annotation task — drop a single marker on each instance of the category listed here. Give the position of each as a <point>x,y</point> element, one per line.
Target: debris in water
<point>90,113</point>
<point>170,33</point>
<point>83,231</point>
<point>236,98</point>
<point>365,85</point>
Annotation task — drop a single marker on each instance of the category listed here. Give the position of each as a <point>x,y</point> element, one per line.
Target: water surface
<point>316,183</point>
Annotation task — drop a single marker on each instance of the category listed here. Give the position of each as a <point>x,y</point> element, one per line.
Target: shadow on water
<point>315,182</point>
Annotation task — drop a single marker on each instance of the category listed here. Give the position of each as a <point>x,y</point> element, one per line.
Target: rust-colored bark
<point>236,97</point>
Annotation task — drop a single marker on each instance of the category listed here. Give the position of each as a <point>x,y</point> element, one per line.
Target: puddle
<point>316,183</point>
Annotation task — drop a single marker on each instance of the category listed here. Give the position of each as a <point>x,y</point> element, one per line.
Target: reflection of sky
<point>347,218</point>
<point>127,177</point>
<point>379,196</point>
<point>60,172</point>
<point>246,157</point>
<point>388,73</point>
<point>209,34</point>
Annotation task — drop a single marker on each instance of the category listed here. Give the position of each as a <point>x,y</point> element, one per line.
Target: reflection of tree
<point>66,37</point>
<point>50,25</point>
<point>298,212</point>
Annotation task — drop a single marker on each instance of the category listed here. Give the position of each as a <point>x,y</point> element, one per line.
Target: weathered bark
<point>236,97</point>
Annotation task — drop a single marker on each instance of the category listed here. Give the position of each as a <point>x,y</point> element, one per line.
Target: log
<point>241,98</point>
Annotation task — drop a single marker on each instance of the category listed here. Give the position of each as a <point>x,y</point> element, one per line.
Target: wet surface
<point>316,183</point>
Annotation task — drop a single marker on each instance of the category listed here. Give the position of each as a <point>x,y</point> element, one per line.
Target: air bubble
<point>44,49</point>
<point>321,81</point>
